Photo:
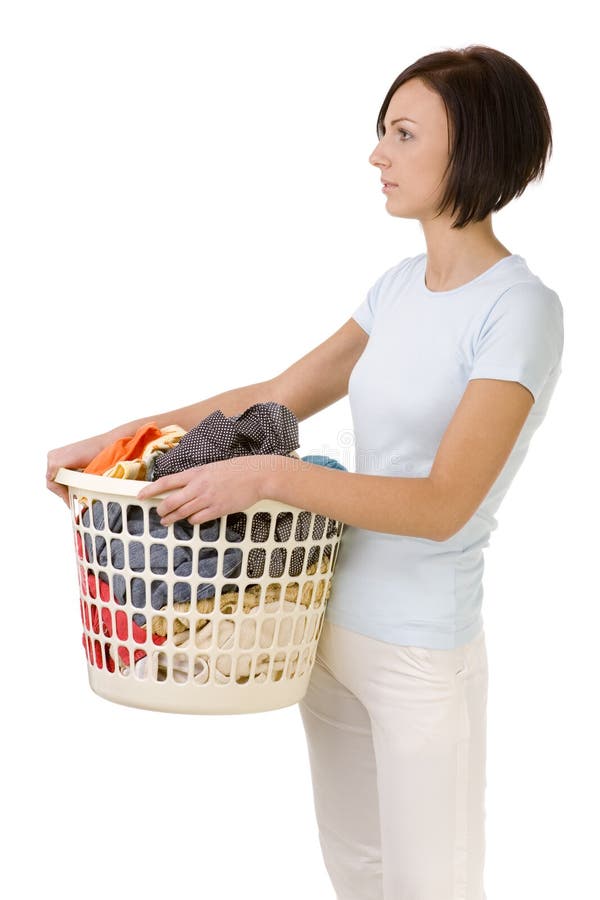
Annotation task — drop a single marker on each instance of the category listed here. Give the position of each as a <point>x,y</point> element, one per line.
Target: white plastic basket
<point>221,617</point>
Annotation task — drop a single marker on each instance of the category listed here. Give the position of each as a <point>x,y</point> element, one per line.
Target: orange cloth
<point>124,448</point>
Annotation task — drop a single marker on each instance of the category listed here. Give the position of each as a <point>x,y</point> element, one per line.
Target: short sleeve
<point>366,312</point>
<point>522,337</point>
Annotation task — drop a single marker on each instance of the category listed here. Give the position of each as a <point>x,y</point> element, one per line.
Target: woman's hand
<point>212,490</point>
<point>72,456</point>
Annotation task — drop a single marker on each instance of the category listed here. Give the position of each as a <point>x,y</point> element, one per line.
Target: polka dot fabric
<point>261,429</point>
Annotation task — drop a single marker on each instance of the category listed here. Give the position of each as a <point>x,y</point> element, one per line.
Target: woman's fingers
<point>184,511</point>
<point>166,483</point>
<point>59,489</point>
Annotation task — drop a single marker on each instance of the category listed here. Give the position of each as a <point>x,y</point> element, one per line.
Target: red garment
<point>92,623</point>
<point>123,448</point>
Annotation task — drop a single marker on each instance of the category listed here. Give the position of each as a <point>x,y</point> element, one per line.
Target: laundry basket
<point>221,617</point>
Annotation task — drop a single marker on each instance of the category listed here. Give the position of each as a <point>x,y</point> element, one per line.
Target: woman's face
<point>412,155</point>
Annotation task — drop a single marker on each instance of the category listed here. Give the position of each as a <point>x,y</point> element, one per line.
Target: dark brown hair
<point>498,126</point>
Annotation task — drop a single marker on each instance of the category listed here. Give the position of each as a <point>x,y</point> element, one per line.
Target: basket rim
<point>130,487</point>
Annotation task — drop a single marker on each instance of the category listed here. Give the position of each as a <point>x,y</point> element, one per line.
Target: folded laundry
<point>263,428</point>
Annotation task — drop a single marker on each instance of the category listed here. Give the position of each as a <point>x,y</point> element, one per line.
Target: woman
<point>450,363</point>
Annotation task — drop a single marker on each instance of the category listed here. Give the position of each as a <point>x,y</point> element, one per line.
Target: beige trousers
<point>397,747</point>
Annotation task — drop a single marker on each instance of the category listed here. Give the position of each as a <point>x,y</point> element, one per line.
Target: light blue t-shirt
<point>423,348</point>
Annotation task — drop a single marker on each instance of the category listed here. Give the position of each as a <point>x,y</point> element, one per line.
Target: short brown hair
<point>499,127</point>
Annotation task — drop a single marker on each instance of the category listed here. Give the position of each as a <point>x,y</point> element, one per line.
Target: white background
<point>186,207</point>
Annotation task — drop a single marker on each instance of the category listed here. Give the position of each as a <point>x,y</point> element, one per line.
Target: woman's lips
<point>388,187</point>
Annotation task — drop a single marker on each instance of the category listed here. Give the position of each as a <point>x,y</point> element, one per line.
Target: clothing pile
<point>150,454</point>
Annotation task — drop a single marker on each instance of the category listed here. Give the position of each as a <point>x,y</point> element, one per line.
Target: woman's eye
<point>401,131</point>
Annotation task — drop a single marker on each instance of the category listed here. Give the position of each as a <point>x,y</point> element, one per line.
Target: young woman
<point>449,363</point>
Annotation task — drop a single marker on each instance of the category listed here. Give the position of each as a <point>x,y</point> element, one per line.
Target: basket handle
<point>129,487</point>
<point>124,487</point>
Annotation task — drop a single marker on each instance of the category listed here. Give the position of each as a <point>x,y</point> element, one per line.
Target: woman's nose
<point>376,159</point>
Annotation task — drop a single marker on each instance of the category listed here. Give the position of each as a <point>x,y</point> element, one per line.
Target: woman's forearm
<point>231,403</point>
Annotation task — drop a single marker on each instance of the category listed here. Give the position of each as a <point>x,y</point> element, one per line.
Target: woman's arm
<point>79,454</point>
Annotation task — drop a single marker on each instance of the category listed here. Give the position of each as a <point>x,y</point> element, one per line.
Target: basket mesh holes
<point>262,666</point>
<point>256,562</point>
<point>303,526</point>
<point>207,562</point>
<point>180,668</point>
<point>95,620</point>
<point>159,559</point>
<point>235,526</point>
<point>107,628</point>
<point>226,634</point>
<point>274,592</point>
<point>229,598</point>
<point>299,630</point>
<point>117,555</point>
<point>267,632</point>
<point>159,629</point>
<point>209,531</point>
<point>297,560</point>
<point>137,556</point>
<point>121,625</point>
<point>77,507</point>
<point>205,598</point>
<point>138,592</point>
<point>156,529</point>
<point>181,631</point>
<point>87,540</point>
<point>318,528</point>
<point>292,664</point>
<point>285,631</point>
<point>307,593</point>
<point>248,633</point>
<point>98,514</point>
<point>283,526</point>
<point>115,517</point>
<point>223,669</point>
<point>135,520</point>
<point>312,561</point>
<point>333,528</point>
<point>278,664</point>
<point>159,666</point>
<point>291,592</point>
<point>319,592</point>
<point>159,594</point>
<point>261,525</point>
<point>244,663</point>
<point>201,669</point>
<point>139,633</point>
<point>98,654</point>
<point>119,589</point>
<point>182,595</point>
<point>124,660</point>
<point>232,562</point>
<point>277,562</point>
<point>182,561</point>
<point>252,597</point>
<point>101,555</point>
<point>108,660</point>
<point>140,667</point>
<point>183,530</point>
<point>325,562</point>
